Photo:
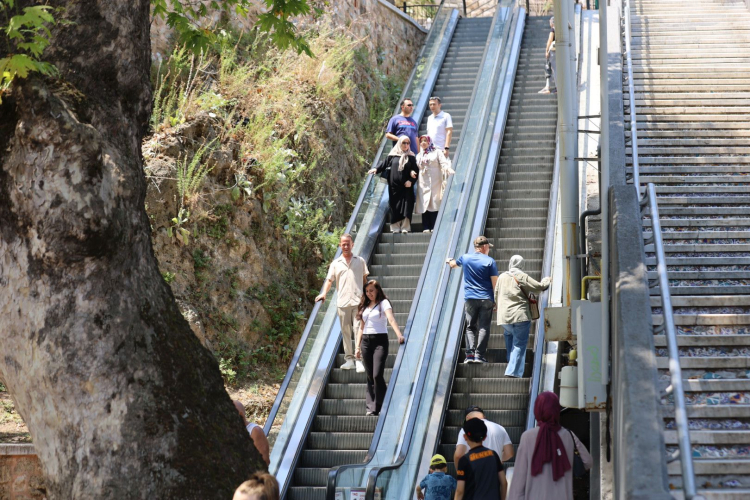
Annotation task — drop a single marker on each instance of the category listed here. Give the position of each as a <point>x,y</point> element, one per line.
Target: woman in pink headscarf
<point>544,465</point>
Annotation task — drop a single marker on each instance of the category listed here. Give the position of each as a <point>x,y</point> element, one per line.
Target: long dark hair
<point>365,302</point>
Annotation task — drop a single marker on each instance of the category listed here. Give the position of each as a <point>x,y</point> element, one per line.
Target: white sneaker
<point>360,367</point>
<point>349,365</point>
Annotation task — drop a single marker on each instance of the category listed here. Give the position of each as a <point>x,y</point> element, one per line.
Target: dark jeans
<point>374,354</point>
<point>478,320</point>
<point>428,220</point>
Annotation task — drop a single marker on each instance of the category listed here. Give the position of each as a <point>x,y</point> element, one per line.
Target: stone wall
<point>392,38</point>
<point>20,473</point>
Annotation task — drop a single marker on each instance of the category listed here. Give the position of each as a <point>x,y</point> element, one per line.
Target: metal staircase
<point>691,65</point>
<point>516,224</point>
<point>341,433</point>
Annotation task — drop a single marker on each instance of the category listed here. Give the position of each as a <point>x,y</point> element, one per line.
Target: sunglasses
<point>433,98</point>
<point>408,105</point>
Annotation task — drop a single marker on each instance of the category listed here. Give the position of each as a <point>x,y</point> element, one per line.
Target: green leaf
<point>235,193</point>
<point>169,232</point>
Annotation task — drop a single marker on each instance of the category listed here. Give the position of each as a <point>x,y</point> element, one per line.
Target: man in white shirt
<point>439,126</point>
<point>497,439</point>
<point>349,272</point>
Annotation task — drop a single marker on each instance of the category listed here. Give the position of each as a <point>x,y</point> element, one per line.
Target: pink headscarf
<point>549,447</point>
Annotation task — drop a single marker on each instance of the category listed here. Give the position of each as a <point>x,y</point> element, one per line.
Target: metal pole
<point>567,115</point>
<point>604,186</point>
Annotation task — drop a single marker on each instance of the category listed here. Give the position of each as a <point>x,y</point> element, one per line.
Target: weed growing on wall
<point>300,133</point>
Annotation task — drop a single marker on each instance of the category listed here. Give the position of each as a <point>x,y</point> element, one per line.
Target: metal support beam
<point>604,187</point>
<point>567,127</point>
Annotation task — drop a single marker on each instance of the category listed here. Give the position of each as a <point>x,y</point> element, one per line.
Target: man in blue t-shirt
<point>480,276</point>
<point>404,124</point>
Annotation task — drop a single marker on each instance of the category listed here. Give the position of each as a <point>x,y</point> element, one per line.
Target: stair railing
<point>684,452</point>
<point>631,94</point>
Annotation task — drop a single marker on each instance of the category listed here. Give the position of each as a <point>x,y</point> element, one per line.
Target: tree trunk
<point>121,399</point>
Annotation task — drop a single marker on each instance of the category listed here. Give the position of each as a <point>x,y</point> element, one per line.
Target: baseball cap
<point>472,409</point>
<point>475,429</point>
<point>437,460</point>
<point>482,240</point>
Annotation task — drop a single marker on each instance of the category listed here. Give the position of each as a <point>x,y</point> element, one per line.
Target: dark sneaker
<point>469,358</point>
<point>372,414</point>
<point>480,359</point>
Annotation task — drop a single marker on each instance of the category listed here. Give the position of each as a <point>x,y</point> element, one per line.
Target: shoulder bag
<point>385,175</point>
<point>533,303</point>
<point>579,469</point>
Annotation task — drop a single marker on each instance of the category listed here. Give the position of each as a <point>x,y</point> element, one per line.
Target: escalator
<point>516,224</point>
<point>340,432</point>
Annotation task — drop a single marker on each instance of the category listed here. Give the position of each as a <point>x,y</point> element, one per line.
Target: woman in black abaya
<point>403,173</point>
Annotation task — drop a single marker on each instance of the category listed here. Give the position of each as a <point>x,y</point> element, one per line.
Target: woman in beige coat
<point>513,312</point>
<point>433,164</point>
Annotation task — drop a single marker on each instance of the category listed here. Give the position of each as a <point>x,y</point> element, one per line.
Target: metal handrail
<point>675,372</point>
<point>540,346</point>
<point>631,94</point>
<point>369,180</point>
<point>375,472</point>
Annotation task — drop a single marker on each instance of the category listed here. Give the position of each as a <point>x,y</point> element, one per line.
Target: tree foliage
<point>26,37</point>
<point>26,32</point>
<point>183,16</point>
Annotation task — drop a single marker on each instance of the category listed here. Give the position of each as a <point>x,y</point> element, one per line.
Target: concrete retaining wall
<point>392,38</point>
<point>640,469</point>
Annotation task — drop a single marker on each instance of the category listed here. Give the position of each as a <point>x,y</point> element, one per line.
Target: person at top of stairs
<point>549,67</point>
<point>480,277</point>
<point>350,273</point>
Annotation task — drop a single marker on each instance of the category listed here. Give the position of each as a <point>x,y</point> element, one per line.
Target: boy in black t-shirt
<point>480,472</point>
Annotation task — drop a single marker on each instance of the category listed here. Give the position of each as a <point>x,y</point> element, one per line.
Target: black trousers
<point>374,354</point>
<point>428,220</point>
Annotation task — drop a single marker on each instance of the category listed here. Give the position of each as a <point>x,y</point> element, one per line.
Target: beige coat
<point>524,486</point>
<point>430,189</point>
<point>512,305</point>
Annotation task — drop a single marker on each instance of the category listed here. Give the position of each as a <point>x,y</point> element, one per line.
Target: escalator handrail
<point>540,346</point>
<point>350,224</point>
<point>517,16</point>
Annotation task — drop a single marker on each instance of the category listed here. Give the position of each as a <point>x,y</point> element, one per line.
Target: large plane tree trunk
<point>121,399</point>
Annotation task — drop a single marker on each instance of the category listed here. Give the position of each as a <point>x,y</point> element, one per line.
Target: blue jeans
<point>478,321</point>
<point>516,340</point>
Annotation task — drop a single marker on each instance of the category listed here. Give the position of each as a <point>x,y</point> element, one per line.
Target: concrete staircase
<point>691,64</point>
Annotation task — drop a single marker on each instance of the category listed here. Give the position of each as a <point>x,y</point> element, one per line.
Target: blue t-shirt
<point>478,272</point>
<point>438,486</point>
<point>405,125</point>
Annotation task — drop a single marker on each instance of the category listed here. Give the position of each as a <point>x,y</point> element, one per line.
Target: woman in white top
<point>374,314</point>
<point>433,165</point>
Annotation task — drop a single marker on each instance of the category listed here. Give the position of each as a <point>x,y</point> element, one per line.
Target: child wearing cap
<point>480,472</point>
<point>437,485</point>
